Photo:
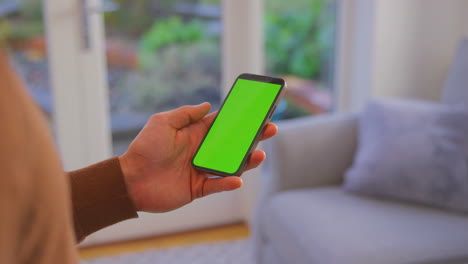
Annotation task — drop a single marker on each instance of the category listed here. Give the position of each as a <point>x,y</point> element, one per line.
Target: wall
<point>465,23</point>
<point>414,42</point>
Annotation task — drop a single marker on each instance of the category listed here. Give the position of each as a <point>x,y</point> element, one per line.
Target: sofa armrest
<point>310,152</point>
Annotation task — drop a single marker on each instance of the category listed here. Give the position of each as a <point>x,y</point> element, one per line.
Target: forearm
<point>99,197</point>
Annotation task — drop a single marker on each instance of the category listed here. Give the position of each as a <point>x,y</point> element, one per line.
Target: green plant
<point>182,73</point>
<point>16,31</point>
<point>297,37</point>
<point>27,23</point>
<point>131,18</point>
<point>4,29</point>
<point>31,10</point>
<point>164,33</point>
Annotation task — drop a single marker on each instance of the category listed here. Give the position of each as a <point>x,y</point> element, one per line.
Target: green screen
<point>236,125</point>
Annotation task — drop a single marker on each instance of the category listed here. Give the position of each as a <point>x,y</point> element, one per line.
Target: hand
<point>157,165</point>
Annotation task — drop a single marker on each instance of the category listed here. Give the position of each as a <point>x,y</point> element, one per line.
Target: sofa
<point>305,216</point>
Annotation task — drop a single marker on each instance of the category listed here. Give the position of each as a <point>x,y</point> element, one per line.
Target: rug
<point>229,252</point>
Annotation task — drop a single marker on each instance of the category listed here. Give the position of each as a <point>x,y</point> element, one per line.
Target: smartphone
<point>238,126</point>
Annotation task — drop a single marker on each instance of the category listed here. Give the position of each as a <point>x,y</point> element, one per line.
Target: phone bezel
<point>266,119</point>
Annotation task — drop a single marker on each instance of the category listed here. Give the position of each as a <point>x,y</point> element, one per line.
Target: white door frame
<point>78,79</point>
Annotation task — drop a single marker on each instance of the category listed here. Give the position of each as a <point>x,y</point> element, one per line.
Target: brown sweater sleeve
<point>99,197</point>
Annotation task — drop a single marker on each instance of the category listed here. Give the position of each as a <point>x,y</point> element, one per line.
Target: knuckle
<point>157,118</point>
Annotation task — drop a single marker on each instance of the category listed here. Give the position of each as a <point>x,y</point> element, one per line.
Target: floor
<point>221,233</point>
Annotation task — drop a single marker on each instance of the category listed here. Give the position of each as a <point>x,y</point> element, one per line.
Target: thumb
<point>215,185</point>
<point>185,115</point>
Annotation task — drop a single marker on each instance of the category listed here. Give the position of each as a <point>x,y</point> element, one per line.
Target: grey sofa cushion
<point>413,151</point>
<point>329,225</point>
<point>456,85</point>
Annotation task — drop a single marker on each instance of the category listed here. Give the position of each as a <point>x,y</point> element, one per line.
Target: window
<point>299,46</point>
<point>160,55</point>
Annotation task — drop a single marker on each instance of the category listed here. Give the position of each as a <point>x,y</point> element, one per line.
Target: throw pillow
<point>413,151</point>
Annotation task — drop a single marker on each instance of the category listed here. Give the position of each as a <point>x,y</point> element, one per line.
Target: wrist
<point>130,170</point>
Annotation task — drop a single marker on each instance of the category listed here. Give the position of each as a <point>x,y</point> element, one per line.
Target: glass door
<point>300,47</point>
<point>160,55</point>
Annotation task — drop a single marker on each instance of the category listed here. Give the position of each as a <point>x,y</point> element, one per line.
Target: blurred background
<point>99,68</point>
